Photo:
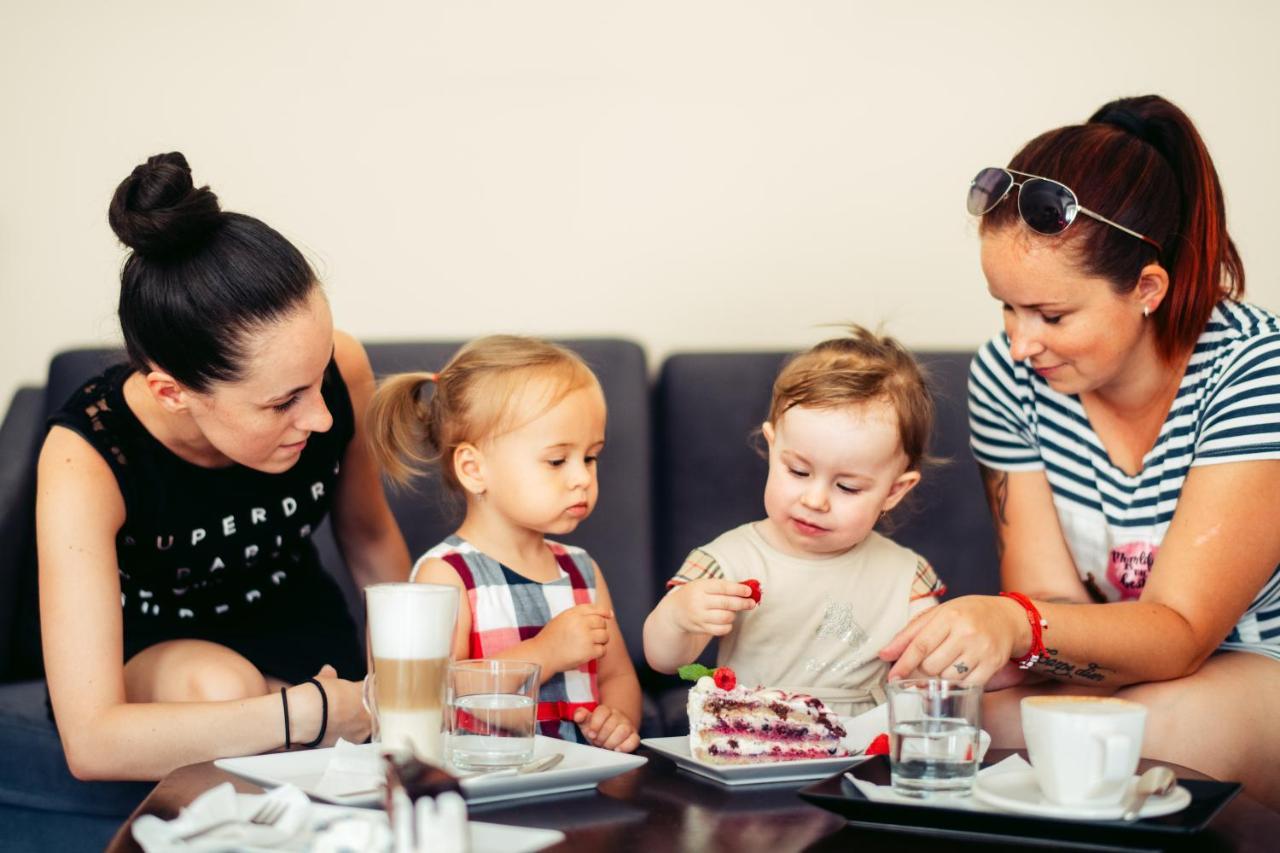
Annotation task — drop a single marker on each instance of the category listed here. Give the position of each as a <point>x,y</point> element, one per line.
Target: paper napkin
<point>886,794</point>
<point>219,804</point>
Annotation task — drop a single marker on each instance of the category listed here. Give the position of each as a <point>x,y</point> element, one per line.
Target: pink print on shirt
<point>1129,566</point>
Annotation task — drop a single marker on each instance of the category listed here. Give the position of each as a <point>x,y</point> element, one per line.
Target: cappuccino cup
<point>1084,749</point>
<point>410,631</point>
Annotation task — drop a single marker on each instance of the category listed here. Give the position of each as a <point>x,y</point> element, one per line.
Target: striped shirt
<point>1227,409</point>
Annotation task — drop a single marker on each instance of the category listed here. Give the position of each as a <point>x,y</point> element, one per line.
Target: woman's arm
<point>364,527</point>
<point>1217,554</point>
<point>79,509</point>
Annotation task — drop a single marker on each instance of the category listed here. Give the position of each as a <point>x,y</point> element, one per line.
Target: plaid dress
<point>507,609</point>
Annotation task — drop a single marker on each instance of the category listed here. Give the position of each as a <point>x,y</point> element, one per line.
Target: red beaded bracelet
<point>1038,624</point>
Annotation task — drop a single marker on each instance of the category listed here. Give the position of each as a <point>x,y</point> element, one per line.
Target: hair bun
<point>158,212</point>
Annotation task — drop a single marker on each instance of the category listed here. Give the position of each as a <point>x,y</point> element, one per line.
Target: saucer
<point>1018,791</point>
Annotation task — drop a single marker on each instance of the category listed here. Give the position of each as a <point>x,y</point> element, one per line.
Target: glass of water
<point>490,711</point>
<point>933,736</point>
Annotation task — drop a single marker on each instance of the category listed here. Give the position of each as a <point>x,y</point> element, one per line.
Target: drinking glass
<point>490,713</point>
<point>410,629</point>
<point>933,736</point>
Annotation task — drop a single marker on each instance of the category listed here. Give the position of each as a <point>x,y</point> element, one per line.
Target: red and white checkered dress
<point>508,608</point>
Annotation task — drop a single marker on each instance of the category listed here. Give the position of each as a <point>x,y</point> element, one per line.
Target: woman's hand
<point>607,728</point>
<point>348,718</point>
<point>968,639</point>
<point>708,605</point>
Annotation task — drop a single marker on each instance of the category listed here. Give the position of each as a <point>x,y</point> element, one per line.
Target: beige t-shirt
<point>821,622</point>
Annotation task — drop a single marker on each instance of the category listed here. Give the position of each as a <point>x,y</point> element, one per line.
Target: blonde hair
<point>490,386</point>
<point>861,368</point>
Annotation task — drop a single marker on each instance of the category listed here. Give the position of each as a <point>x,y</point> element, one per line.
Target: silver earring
<point>1146,311</point>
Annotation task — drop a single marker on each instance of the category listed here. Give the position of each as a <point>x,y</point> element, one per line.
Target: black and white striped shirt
<point>1227,410</point>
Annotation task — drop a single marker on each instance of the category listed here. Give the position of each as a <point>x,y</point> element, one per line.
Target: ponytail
<point>401,433</point>
<point>1203,263</point>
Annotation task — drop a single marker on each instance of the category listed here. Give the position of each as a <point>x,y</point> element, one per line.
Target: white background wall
<point>689,174</point>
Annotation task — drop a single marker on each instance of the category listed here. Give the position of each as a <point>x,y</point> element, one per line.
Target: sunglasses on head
<point>1047,206</point>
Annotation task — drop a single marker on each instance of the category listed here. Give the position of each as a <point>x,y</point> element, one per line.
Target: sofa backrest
<point>711,475</point>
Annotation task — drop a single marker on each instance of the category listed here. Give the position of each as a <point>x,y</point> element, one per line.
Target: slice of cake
<point>731,724</point>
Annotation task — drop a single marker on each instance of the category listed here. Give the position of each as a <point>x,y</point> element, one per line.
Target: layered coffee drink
<point>410,630</point>
<point>410,700</point>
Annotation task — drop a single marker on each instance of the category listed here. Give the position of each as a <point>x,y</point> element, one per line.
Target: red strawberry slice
<point>755,589</point>
<point>879,746</point>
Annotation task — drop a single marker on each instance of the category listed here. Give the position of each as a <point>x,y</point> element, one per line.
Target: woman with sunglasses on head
<point>184,612</point>
<point>1127,426</point>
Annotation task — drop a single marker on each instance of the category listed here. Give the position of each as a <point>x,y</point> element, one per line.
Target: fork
<point>267,815</point>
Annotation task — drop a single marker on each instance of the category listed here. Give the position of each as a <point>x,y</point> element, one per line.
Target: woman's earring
<point>1146,311</point>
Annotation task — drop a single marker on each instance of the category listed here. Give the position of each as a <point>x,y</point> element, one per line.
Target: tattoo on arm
<point>1064,670</point>
<point>996,484</point>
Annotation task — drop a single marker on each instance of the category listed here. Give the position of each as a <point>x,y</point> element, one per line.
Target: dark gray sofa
<point>679,468</point>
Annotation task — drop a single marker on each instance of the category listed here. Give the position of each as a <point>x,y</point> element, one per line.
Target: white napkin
<point>351,768</point>
<point>886,794</point>
<point>222,803</point>
<point>862,729</point>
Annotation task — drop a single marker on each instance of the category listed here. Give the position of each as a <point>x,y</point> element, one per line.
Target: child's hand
<point>607,728</point>
<point>709,605</point>
<point>576,636</point>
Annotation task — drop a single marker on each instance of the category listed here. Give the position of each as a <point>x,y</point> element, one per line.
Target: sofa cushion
<point>34,773</point>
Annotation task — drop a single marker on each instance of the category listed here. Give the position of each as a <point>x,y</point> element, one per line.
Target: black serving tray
<point>839,795</point>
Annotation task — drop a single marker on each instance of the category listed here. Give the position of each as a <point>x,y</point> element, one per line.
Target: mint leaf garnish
<point>693,671</point>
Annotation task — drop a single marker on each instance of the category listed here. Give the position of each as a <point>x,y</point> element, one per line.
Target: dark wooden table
<point>656,808</point>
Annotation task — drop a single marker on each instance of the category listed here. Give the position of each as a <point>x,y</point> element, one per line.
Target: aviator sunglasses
<point>1047,206</point>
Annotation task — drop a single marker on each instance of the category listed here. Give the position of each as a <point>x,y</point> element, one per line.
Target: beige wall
<point>689,174</point>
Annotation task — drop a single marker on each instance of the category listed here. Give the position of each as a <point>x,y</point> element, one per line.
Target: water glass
<point>933,736</point>
<point>490,713</point>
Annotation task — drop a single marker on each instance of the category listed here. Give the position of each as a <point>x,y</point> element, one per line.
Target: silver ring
<point>960,667</point>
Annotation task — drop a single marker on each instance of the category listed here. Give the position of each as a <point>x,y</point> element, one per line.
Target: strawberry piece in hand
<point>879,746</point>
<point>755,589</point>
<point>725,678</point>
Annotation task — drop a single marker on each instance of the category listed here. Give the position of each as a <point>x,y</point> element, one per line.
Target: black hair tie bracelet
<point>324,715</point>
<point>284,700</point>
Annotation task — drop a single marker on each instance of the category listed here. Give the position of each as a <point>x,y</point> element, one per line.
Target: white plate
<point>583,768</point>
<point>677,749</point>
<point>1018,791</point>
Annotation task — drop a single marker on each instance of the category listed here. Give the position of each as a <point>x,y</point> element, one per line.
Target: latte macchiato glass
<point>410,628</point>
<point>1084,749</point>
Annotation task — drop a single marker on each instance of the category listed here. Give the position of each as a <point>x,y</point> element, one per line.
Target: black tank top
<point>204,547</point>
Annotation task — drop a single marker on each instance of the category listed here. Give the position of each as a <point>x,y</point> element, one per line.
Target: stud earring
<point>1146,311</point>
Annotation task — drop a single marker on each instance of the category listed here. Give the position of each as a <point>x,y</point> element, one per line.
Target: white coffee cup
<point>1084,749</point>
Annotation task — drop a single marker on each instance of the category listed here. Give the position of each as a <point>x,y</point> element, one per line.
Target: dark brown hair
<point>199,279</point>
<point>1140,162</point>
<point>861,368</point>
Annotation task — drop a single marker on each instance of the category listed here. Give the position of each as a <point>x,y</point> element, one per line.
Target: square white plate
<point>677,749</point>
<point>583,768</point>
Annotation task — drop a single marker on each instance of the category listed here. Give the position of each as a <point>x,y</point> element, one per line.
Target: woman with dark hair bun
<point>1127,426</point>
<point>184,611</point>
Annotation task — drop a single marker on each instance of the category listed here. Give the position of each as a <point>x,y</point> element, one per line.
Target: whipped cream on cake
<point>731,724</point>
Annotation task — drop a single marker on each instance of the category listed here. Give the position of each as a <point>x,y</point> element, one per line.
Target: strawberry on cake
<point>730,724</point>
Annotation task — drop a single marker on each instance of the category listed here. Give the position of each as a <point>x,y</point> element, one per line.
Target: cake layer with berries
<point>731,724</point>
